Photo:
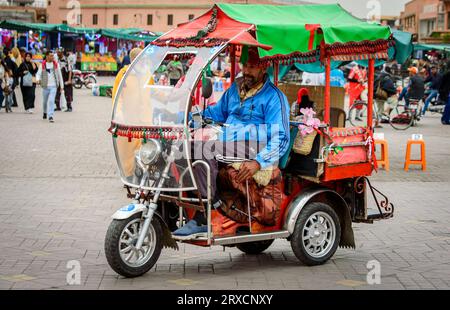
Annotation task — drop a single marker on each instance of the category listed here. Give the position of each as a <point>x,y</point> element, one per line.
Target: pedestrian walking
<point>8,91</point>
<point>50,78</point>
<point>435,80</point>
<point>67,73</point>
<point>3,74</point>
<point>356,86</point>
<point>11,62</point>
<point>385,96</point>
<point>27,72</point>
<point>175,69</point>
<point>444,94</point>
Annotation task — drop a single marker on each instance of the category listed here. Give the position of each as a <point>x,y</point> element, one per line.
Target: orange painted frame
<point>353,170</point>
<point>346,172</point>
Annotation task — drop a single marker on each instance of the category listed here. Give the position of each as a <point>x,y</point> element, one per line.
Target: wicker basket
<point>303,145</point>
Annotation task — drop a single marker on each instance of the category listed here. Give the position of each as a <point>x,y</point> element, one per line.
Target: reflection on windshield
<point>153,98</point>
<point>156,88</point>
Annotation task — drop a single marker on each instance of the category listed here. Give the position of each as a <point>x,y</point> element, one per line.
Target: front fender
<point>339,205</point>
<point>128,211</point>
<point>133,208</point>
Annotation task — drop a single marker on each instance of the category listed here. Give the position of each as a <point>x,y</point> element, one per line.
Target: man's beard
<point>250,81</point>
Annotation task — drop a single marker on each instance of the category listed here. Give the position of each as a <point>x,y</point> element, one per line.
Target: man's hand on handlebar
<point>210,121</point>
<point>247,170</point>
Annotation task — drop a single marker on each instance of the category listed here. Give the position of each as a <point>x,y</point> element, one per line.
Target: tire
<point>116,234</point>
<point>401,118</point>
<point>90,81</point>
<point>254,248</point>
<point>329,241</point>
<point>77,83</point>
<point>360,110</point>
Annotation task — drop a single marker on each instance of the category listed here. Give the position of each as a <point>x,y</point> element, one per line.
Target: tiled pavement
<point>59,185</point>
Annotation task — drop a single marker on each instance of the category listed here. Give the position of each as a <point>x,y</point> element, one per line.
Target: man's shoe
<point>44,116</point>
<point>190,231</point>
<point>51,120</point>
<point>57,109</point>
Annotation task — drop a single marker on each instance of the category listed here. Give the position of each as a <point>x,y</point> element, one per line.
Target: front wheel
<point>316,235</point>
<point>120,242</point>
<point>91,80</point>
<point>357,115</point>
<point>254,248</point>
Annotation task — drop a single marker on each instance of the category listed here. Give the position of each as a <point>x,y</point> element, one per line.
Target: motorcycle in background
<point>87,78</point>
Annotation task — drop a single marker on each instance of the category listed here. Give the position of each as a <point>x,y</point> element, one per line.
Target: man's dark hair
<point>28,53</point>
<point>47,53</point>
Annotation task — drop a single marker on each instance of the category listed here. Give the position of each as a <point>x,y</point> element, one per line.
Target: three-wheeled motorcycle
<point>153,125</point>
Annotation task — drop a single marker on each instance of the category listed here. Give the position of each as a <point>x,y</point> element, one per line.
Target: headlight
<point>150,151</point>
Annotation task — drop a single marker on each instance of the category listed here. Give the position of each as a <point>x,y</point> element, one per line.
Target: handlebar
<point>210,121</point>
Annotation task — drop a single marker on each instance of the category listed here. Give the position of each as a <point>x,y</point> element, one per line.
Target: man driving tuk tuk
<point>255,112</point>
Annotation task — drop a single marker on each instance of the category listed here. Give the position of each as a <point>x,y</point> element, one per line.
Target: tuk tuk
<point>152,125</point>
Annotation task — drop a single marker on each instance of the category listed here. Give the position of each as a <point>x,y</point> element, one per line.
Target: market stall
<point>98,49</point>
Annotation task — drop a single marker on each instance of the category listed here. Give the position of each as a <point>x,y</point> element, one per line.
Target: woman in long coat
<point>27,72</point>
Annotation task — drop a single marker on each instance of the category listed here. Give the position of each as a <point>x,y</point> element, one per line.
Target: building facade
<point>427,20</point>
<point>33,11</point>
<point>152,15</point>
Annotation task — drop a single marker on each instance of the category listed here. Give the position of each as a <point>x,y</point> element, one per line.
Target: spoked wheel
<point>357,115</point>
<point>90,81</point>
<point>77,83</point>
<point>120,246</point>
<point>254,248</point>
<point>401,118</point>
<point>316,235</point>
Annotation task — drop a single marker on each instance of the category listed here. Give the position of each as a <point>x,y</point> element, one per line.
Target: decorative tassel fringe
<point>145,133</point>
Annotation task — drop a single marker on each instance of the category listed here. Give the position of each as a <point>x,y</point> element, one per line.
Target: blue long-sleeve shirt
<point>263,118</point>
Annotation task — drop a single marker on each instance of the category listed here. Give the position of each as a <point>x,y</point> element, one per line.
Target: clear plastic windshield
<point>152,101</point>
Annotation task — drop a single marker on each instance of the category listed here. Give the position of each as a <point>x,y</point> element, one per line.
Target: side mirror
<point>207,88</point>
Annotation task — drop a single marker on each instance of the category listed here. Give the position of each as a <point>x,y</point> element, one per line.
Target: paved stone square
<point>59,187</point>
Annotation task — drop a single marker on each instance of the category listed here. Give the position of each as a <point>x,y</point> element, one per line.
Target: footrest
<point>199,236</point>
<point>374,215</point>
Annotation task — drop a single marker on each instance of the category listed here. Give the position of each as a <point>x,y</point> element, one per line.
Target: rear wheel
<point>254,248</point>
<point>77,83</point>
<point>317,234</point>
<point>401,118</point>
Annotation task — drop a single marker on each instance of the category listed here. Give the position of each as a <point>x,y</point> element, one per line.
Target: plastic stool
<point>384,160</point>
<point>422,161</point>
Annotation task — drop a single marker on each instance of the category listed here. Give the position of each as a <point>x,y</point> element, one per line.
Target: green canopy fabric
<point>23,26</point>
<point>284,27</point>
<point>403,46</point>
<point>400,52</point>
<point>132,34</point>
<point>126,34</point>
<point>429,47</point>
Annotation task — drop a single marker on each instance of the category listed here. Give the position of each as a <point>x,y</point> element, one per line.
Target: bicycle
<point>359,110</point>
<point>402,117</point>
